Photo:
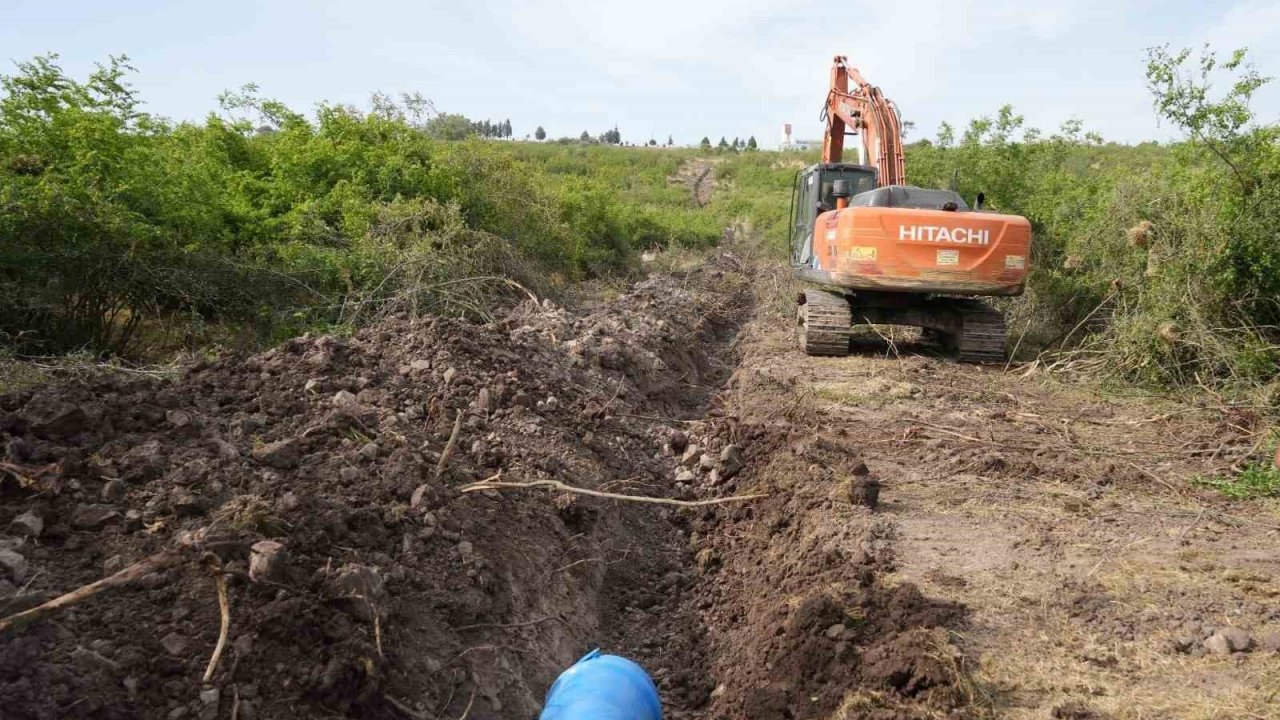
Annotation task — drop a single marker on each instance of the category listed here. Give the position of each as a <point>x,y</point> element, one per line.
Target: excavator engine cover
<point>908,239</point>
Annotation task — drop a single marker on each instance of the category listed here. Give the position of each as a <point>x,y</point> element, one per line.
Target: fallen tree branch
<point>507,626</point>
<point>224,614</point>
<point>557,485</point>
<point>449,446</point>
<point>405,709</point>
<point>467,711</point>
<point>127,576</point>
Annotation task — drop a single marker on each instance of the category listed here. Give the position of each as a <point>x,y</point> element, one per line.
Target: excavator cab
<point>813,193</point>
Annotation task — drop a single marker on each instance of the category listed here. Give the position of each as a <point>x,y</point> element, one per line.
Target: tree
<point>450,126</point>
<point>737,143</point>
<point>751,143</point>
<point>540,134</point>
<point>670,141</point>
<point>724,144</point>
<point>611,137</point>
<point>506,128</point>
<point>946,135</point>
<point>652,142</point>
<point>706,143</point>
<point>585,136</point>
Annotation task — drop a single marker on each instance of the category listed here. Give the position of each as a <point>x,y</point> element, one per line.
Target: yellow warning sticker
<point>948,257</point>
<point>862,253</point>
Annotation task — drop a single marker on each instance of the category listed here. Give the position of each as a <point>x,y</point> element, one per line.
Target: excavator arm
<point>866,112</point>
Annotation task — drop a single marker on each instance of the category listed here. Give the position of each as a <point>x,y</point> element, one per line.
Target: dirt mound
<point>321,479</point>
<point>801,623</point>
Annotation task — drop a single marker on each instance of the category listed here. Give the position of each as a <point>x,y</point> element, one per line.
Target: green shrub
<point>1159,261</point>
<point>129,234</point>
<point>1260,480</point>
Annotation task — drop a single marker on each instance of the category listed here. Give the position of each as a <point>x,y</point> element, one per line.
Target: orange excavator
<point>888,253</point>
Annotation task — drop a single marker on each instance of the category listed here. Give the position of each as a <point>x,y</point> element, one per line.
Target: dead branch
<point>557,485</point>
<point>659,419</point>
<point>506,626</point>
<point>224,616</point>
<point>127,576</point>
<point>26,475</point>
<point>405,709</point>
<point>467,711</point>
<point>450,445</point>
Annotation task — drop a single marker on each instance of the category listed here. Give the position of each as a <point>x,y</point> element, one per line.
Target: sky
<point>685,68</point>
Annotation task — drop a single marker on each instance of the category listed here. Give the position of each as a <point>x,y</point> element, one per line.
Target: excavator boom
<point>866,112</point>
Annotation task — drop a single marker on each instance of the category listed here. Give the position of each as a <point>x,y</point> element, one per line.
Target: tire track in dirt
<point>698,175</point>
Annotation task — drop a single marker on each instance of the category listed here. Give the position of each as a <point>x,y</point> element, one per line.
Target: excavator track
<point>825,323</point>
<point>982,333</point>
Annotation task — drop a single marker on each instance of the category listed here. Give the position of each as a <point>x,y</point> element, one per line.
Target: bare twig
<point>127,576</point>
<point>506,626</point>
<point>659,419</point>
<point>574,564</point>
<point>449,446</point>
<point>557,485</point>
<point>405,709</point>
<point>467,710</point>
<point>224,615</point>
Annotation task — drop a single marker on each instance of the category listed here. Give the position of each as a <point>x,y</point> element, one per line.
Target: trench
<point>649,595</point>
<point>403,594</point>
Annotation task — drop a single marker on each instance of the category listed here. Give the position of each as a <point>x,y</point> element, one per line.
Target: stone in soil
<point>13,565</point>
<point>691,455</point>
<point>174,644</point>
<point>94,517</point>
<point>1229,640</point>
<point>114,490</point>
<point>268,561</point>
<point>281,455</point>
<point>27,524</point>
<point>55,418</point>
<point>1268,643</point>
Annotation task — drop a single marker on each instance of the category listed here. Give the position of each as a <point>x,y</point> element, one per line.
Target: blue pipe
<point>602,687</point>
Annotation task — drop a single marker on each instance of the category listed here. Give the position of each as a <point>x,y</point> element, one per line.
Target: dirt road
<point>1036,549</point>
<point>1092,579</point>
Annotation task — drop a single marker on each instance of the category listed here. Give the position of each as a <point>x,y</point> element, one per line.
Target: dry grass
<point>16,376</point>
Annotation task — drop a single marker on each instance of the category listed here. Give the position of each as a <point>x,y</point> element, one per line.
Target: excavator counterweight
<point>886,252</point>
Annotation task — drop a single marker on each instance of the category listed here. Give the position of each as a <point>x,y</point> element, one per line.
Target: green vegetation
<point>129,234</point>
<point>1260,480</point>
<point>1155,262</point>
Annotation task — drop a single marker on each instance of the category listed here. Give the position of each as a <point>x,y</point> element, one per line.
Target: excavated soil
<point>897,537</point>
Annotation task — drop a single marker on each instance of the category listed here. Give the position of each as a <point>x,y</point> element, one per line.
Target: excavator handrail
<point>869,114</point>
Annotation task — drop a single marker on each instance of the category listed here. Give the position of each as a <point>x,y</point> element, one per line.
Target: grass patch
<point>1260,480</point>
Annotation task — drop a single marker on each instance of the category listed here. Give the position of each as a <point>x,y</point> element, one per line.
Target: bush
<point>129,234</point>
<point>1155,261</point>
